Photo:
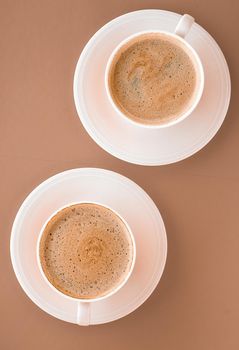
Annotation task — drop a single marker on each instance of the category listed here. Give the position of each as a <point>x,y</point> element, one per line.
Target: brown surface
<point>196,304</point>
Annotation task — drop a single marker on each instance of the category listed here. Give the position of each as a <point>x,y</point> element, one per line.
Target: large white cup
<point>178,38</point>
<point>84,305</point>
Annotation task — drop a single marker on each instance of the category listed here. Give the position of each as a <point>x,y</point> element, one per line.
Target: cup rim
<point>198,93</point>
<point>90,300</point>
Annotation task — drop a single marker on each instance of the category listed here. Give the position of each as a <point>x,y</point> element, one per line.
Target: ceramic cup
<point>178,38</point>
<point>84,305</point>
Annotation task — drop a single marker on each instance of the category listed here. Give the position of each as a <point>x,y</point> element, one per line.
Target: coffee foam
<point>152,79</point>
<point>86,251</point>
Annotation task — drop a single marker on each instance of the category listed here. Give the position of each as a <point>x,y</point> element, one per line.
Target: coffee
<point>86,251</point>
<point>152,79</point>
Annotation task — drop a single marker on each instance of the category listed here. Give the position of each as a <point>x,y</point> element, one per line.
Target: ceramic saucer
<point>115,191</point>
<point>133,143</point>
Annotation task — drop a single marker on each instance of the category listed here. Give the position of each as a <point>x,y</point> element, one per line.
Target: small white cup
<point>84,305</point>
<point>181,30</point>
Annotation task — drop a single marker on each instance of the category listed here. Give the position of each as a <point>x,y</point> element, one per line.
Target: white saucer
<point>108,188</point>
<point>132,143</point>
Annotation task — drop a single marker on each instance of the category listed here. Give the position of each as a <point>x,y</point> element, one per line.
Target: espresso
<point>86,251</point>
<point>152,79</point>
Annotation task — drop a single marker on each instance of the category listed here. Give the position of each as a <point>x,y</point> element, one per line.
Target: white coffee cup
<point>84,305</point>
<point>178,37</point>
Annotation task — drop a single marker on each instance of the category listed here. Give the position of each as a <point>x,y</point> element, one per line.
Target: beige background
<point>196,305</point>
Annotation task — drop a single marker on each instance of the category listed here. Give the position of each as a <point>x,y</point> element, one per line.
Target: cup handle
<point>184,25</point>
<point>83,313</point>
